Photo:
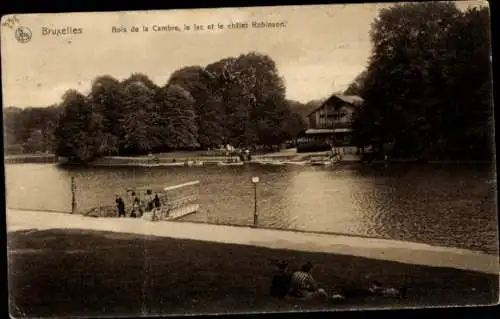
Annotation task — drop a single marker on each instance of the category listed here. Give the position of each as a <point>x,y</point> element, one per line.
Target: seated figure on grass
<point>303,285</point>
<point>280,284</point>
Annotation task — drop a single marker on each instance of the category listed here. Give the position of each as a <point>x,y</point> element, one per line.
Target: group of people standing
<point>138,205</point>
<point>242,153</point>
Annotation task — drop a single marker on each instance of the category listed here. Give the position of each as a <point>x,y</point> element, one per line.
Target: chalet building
<point>330,122</point>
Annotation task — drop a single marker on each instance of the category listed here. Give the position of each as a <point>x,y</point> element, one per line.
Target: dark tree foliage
<point>427,88</point>
<point>139,117</point>
<point>356,87</point>
<point>30,130</point>
<point>107,98</point>
<point>209,112</point>
<point>79,128</point>
<point>179,118</point>
<point>239,100</point>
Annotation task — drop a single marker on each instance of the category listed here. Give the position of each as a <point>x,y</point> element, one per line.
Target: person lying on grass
<point>377,288</point>
<point>374,289</point>
<point>303,285</point>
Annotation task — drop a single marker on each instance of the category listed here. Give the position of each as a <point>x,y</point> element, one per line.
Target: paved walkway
<point>405,252</point>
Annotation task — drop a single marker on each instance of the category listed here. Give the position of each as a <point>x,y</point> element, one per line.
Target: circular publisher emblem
<point>23,34</point>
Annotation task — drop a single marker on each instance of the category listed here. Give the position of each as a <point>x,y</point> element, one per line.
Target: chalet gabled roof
<point>349,99</point>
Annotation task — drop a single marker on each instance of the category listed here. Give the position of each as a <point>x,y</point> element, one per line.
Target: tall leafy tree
<point>356,86</point>
<point>233,94</point>
<point>414,88</point>
<point>78,130</point>
<point>253,94</point>
<point>107,98</point>
<point>468,115</point>
<point>12,117</point>
<point>178,121</point>
<point>201,85</point>
<point>139,115</point>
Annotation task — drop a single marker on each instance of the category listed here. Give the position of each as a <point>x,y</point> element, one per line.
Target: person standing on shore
<point>157,202</point>
<point>120,206</point>
<point>136,206</point>
<point>149,200</point>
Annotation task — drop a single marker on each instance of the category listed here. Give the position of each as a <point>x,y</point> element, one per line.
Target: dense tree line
<point>240,101</point>
<point>30,130</point>
<point>428,86</point>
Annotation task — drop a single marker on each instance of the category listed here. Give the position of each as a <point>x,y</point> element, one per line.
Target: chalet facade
<point>330,122</point>
<point>335,112</point>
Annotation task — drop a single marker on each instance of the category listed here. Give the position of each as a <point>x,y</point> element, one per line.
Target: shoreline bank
<point>381,249</point>
<point>488,249</point>
<point>30,158</point>
<point>285,157</point>
<point>184,157</point>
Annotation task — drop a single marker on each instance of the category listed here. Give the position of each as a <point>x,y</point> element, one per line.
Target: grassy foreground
<point>75,272</point>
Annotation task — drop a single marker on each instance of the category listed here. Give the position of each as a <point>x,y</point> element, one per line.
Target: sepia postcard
<point>249,160</point>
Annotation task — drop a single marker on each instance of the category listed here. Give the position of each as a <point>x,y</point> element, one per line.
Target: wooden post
<point>73,195</point>
<point>255,216</point>
<point>255,180</point>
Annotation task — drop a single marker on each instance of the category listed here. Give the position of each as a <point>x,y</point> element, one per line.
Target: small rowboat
<point>162,164</point>
<point>319,163</point>
<point>331,162</point>
<point>297,163</point>
<point>173,164</point>
<point>194,163</point>
<point>230,163</point>
<point>275,163</point>
<point>149,165</point>
<point>271,163</point>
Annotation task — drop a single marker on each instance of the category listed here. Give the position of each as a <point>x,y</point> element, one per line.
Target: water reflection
<point>324,201</point>
<point>446,205</point>
<point>37,186</point>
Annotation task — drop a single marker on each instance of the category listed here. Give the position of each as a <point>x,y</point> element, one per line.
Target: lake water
<point>449,205</point>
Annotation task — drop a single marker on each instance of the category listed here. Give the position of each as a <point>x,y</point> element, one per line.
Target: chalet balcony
<point>333,125</point>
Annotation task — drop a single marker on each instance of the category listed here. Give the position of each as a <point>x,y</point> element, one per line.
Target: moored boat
<point>230,163</point>
<point>270,162</point>
<point>149,164</point>
<point>320,163</point>
<point>277,163</point>
<point>173,164</point>
<point>301,163</point>
<point>194,163</point>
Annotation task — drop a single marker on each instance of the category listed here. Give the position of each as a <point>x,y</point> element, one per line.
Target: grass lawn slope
<point>74,272</point>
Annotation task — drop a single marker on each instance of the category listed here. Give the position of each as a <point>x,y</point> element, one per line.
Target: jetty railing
<point>171,206</point>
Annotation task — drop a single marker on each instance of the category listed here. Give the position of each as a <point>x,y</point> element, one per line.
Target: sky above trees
<point>322,49</point>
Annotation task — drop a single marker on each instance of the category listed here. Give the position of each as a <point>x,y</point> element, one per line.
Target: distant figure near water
<point>120,206</point>
<point>156,201</point>
<point>136,206</point>
<point>149,200</point>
